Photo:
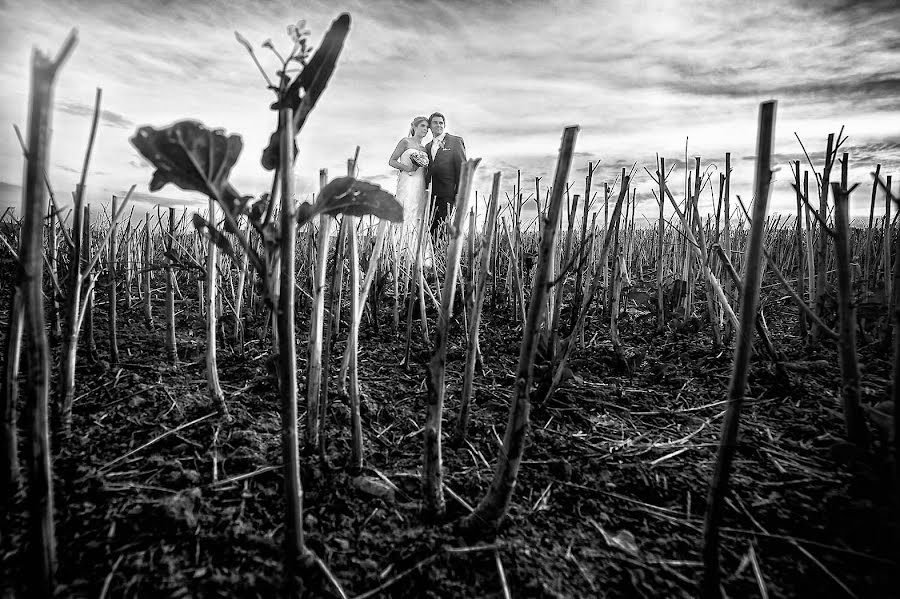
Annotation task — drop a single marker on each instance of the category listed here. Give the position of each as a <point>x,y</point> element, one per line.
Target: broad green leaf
<point>191,157</point>
<point>346,195</point>
<point>303,93</point>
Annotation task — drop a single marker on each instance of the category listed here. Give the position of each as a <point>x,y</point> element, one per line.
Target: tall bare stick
<point>90,342</point>
<point>314,347</point>
<point>148,270</point>
<point>214,388</point>
<point>432,487</point>
<point>475,322</point>
<point>661,228</point>
<point>804,331</point>
<point>9,396</point>
<point>332,323</point>
<point>857,432</point>
<point>42,568</point>
<point>742,353</point>
<point>867,265</point>
<point>171,342</point>
<point>73,300</point>
<point>494,505</point>
<point>822,247</point>
<point>356,435</point>
<point>886,239</point>
<point>113,279</point>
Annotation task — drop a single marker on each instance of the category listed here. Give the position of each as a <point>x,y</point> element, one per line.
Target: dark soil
<point>609,503</point>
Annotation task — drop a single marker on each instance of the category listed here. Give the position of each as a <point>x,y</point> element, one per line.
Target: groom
<point>446,153</point>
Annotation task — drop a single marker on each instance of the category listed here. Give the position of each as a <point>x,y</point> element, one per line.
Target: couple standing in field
<point>438,162</point>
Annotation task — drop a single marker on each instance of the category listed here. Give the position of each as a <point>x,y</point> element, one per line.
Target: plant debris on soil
<point>157,496</point>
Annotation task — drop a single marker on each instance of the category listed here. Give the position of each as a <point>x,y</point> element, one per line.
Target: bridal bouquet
<point>419,158</point>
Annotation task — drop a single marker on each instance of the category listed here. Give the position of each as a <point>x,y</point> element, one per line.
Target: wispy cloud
<point>108,117</point>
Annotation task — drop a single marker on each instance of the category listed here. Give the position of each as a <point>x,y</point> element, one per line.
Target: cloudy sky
<point>639,77</point>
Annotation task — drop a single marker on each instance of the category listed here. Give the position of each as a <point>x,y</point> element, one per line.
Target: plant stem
<point>494,505</point>
<point>214,389</point>
<point>171,342</point>
<point>287,359</point>
<point>857,431</point>
<point>743,350</point>
<point>487,238</point>
<point>432,475</point>
<point>111,269</point>
<point>42,563</point>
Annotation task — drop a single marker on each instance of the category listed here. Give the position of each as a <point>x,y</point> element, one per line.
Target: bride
<point>410,159</point>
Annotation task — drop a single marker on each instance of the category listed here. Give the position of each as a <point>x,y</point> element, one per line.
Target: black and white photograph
<point>449,299</point>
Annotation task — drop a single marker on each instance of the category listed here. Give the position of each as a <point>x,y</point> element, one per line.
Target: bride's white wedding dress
<point>411,193</point>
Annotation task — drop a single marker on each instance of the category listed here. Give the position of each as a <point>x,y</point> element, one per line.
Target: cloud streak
<point>108,117</point>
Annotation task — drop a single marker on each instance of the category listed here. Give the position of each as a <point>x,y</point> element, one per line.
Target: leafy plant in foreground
<point>192,157</point>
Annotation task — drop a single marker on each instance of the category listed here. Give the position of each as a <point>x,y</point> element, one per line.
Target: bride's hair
<point>415,123</point>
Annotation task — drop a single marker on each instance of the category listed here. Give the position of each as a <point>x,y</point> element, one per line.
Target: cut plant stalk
<point>9,395</point>
<point>854,420</point>
<point>128,265</point>
<point>895,375</point>
<point>470,261</point>
<point>701,254</point>
<point>171,341</point>
<point>711,305</point>
<point>148,273</point>
<point>494,505</point>
<point>822,248</point>
<point>434,506</point>
<point>810,254</point>
<point>614,291</point>
<point>726,238</point>
<point>886,240</point>
<point>418,293</point>
<point>661,227</point>
<point>561,280</point>
<point>579,274</point>
<point>314,346</point>
<point>52,249</point>
<point>517,275</point>
<point>396,248</point>
<point>112,265</point>
<point>761,329</point>
<point>487,238</point>
<point>358,307</point>
<point>73,300</point>
<point>604,265</point>
<point>553,378</point>
<point>868,271</point>
<point>356,435</point>
<point>801,291</point>
<point>213,387</point>
<point>743,350</point>
<point>90,342</point>
<point>332,326</point>
<point>42,559</point>
<point>239,299</point>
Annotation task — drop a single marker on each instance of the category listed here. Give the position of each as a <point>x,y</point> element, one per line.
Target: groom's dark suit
<point>443,174</point>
